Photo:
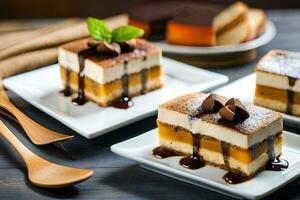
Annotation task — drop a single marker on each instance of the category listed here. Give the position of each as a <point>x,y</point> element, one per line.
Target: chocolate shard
<point>236,102</point>
<point>104,47</point>
<point>240,109</point>
<point>234,111</point>
<point>228,113</point>
<point>112,48</point>
<point>213,103</point>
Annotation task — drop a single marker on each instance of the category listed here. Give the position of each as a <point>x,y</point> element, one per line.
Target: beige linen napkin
<point>10,39</point>
<point>39,48</point>
<point>27,61</point>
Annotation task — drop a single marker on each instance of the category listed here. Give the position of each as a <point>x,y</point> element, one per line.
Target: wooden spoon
<point>38,134</point>
<point>42,172</point>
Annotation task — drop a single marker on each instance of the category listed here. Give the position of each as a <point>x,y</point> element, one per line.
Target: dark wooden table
<point>116,177</point>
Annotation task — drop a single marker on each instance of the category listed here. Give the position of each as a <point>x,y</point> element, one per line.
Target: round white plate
<point>263,39</point>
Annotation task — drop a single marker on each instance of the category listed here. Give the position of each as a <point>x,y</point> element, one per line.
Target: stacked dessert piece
<point>277,82</point>
<point>232,25</point>
<point>193,25</point>
<point>109,72</point>
<point>198,24</point>
<point>258,21</point>
<point>152,18</point>
<point>221,132</point>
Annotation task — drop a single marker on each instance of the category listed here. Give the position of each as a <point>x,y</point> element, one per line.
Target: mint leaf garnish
<point>98,30</point>
<point>125,33</point>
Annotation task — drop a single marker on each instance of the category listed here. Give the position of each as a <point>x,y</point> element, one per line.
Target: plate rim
<point>210,184</point>
<point>266,37</point>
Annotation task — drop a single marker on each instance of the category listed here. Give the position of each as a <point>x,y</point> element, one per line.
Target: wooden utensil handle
<point>10,107</point>
<point>15,142</point>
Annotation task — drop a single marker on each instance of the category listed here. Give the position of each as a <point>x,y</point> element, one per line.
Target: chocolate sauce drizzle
<point>226,154</point>
<point>67,90</point>
<point>290,95</point>
<point>80,99</point>
<point>234,178</point>
<point>160,152</point>
<point>230,177</point>
<point>144,76</point>
<point>194,161</point>
<point>275,164</point>
<point>124,102</point>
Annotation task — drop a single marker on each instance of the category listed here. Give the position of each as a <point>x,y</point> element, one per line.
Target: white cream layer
<point>276,81</point>
<point>217,131</point>
<point>104,75</point>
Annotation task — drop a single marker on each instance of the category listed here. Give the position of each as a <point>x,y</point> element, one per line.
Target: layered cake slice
<point>277,82</point>
<point>153,18</point>
<point>214,130</point>
<point>109,69</point>
<point>193,25</point>
<point>197,24</point>
<point>106,77</point>
<point>233,25</point>
<point>258,21</point>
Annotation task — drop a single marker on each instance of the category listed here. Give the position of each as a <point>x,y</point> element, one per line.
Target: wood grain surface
<point>116,177</point>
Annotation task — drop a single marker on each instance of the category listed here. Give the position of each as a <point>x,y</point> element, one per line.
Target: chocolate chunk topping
<point>104,47</point>
<point>128,46</point>
<point>234,110</point>
<point>112,48</point>
<point>236,102</point>
<point>213,103</point>
<point>228,112</point>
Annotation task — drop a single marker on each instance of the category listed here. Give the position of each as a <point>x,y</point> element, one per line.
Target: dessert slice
<point>232,25</point>
<point>277,82</point>
<point>220,132</point>
<point>105,77</point>
<point>258,21</point>
<point>153,18</point>
<point>193,25</point>
<point>230,16</point>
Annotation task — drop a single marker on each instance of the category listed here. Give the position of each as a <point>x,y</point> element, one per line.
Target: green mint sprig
<point>99,31</point>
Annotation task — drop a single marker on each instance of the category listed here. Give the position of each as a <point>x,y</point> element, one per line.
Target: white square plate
<point>244,89</point>
<point>140,148</point>
<point>41,88</point>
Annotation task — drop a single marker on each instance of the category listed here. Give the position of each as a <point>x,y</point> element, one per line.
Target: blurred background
<point>29,20</point>
<point>102,8</point>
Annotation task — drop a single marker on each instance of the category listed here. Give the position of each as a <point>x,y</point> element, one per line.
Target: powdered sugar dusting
<point>283,63</point>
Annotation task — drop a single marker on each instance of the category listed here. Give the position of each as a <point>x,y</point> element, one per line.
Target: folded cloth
<point>13,38</point>
<point>27,61</point>
<point>40,47</point>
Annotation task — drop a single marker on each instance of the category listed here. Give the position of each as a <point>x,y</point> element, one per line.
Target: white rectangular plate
<point>41,88</point>
<point>244,89</point>
<point>140,148</point>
